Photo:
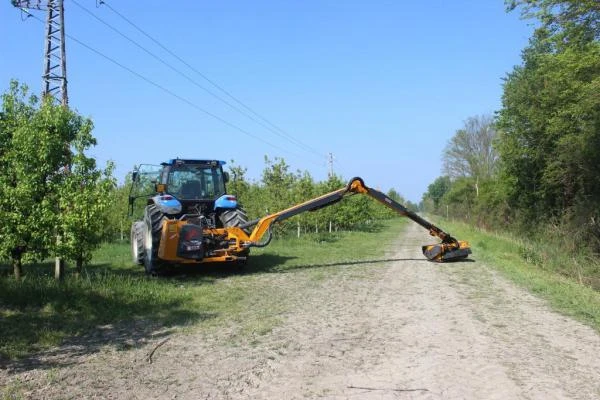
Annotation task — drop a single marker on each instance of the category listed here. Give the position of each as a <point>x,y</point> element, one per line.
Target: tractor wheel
<point>153,219</point>
<point>137,242</point>
<point>235,217</point>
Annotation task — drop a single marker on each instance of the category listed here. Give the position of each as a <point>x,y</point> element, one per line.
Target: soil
<point>397,328</point>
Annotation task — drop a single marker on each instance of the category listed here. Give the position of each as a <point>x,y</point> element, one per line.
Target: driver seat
<point>191,190</point>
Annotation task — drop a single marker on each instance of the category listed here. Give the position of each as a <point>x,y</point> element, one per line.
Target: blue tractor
<point>192,192</point>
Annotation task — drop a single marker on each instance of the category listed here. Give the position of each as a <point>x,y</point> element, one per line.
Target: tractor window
<point>195,182</point>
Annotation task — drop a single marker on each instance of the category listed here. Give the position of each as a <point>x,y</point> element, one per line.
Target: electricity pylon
<point>55,60</point>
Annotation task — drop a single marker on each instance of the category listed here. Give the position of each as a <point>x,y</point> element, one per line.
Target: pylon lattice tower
<point>55,61</point>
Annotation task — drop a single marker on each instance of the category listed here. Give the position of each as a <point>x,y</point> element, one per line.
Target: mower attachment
<point>445,252</point>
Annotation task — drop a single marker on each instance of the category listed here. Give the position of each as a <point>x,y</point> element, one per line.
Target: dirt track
<point>398,328</point>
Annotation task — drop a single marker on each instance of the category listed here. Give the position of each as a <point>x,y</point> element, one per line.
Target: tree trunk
<point>17,266</point>
<point>59,268</point>
<point>78,265</point>
<point>59,264</point>
<point>16,255</point>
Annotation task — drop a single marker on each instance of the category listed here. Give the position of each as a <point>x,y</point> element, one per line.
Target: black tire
<point>153,222</point>
<point>137,242</point>
<point>235,217</point>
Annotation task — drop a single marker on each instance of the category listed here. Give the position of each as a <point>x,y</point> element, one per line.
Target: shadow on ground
<point>258,264</point>
<point>82,315</point>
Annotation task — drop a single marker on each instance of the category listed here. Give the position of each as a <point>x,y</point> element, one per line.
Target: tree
<point>460,198</point>
<point>116,219</point>
<point>34,149</point>
<point>238,184</point>
<point>40,199</point>
<point>569,22</point>
<point>84,197</point>
<point>550,118</point>
<point>437,190</point>
<point>470,152</point>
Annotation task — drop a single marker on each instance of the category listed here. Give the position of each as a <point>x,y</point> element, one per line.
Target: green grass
<point>529,266</point>
<point>114,303</point>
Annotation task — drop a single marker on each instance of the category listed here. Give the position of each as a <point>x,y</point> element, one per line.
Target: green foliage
<point>84,200</point>
<point>44,175</point>
<point>551,132</point>
<point>279,189</point>
<point>437,190</point>
<point>33,153</point>
<point>238,184</point>
<point>546,187</point>
<point>568,22</point>
<point>116,221</point>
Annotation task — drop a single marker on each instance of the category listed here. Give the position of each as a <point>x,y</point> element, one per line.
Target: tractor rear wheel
<point>137,242</point>
<point>153,222</point>
<point>235,217</point>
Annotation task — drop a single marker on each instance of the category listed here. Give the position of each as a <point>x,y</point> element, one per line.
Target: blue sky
<point>382,85</point>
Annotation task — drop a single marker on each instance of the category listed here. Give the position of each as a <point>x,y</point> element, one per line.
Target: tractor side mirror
<point>135,175</point>
<point>225,176</point>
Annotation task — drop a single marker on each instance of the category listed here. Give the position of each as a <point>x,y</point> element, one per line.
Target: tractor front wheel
<point>150,252</point>
<point>153,221</point>
<point>137,242</point>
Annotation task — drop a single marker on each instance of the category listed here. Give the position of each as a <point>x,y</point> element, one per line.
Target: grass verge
<point>518,260</point>
<point>115,302</point>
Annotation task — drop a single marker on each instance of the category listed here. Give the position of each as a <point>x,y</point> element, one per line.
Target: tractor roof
<point>179,161</point>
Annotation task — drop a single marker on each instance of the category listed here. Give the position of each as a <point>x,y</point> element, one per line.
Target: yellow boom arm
<point>449,249</point>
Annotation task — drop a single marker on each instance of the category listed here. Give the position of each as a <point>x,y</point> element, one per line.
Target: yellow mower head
<point>447,251</point>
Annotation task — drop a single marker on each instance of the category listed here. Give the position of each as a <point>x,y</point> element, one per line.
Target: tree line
<point>532,167</point>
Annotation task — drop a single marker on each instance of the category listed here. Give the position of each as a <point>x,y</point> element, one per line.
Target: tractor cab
<point>198,185</point>
<point>193,180</point>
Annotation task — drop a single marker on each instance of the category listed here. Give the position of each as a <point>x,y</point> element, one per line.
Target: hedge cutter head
<point>447,251</point>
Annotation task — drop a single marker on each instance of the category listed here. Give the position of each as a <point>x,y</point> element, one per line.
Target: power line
<point>168,91</point>
<point>170,66</point>
<point>272,127</point>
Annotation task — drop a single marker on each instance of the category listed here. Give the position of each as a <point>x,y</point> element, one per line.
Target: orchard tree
<point>278,183</point>
<point>34,149</point>
<point>84,198</point>
<point>116,219</point>
<point>39,197</point>
<point>237,185</point>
